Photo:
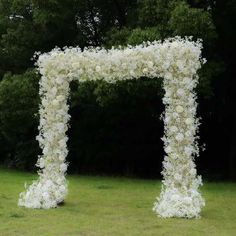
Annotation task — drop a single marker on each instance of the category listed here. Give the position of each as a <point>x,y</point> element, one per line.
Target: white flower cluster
<point>51,188</point>
<point>180,196</point>
<point>177,61</point>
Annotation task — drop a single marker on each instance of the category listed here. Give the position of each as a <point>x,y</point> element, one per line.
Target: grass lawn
<point>112,206</point>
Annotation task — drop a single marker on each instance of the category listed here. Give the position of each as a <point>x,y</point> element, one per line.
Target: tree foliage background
<point>115,129</point>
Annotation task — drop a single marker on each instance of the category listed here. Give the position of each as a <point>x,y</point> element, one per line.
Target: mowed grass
<point>100,206</point>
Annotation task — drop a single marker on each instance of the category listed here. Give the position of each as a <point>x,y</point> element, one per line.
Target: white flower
<point>180,92</point>
<point>189,121</point>
<point>188,150</point>
<point>41,163</point>
<point>178,177</point>
<point>179,137</point>
<point>173,129</point>
<point>168,149</point>
<point>150,64</point>
<point>60,98</point>
<point>59,80</point>
<point>188,133</point>
<point>167,119</point>
<point>188,200</point>
<point>55,102</point>
<point>63,167</point>
<point>46,196</point>
<point>192,171</point>
<point>175,197</point>
<point>132,73</point>
<point>98,68</point>
<point>145,70</point>
<point>179,109</point>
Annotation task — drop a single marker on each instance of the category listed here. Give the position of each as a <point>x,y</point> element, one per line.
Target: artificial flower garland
<point>175,60</point>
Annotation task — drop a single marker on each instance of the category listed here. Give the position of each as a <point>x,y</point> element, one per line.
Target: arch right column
<point>180,196</point>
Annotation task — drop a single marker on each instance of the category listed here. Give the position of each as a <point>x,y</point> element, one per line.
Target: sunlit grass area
<point>112,206</point>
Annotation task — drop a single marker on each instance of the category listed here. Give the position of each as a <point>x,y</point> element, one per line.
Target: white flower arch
<point>177,61</point>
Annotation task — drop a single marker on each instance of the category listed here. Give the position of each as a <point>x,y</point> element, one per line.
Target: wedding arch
<point>177,61</point>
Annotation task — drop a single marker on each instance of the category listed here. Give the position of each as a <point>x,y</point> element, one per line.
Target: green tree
<point>224,15</point>
<point>18,118</point>
<point>27,26</point>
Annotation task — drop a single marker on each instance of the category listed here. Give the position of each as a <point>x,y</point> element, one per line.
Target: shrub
<point>18,119</point>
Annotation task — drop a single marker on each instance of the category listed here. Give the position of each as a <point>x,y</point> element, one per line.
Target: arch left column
<point>51,187</point>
